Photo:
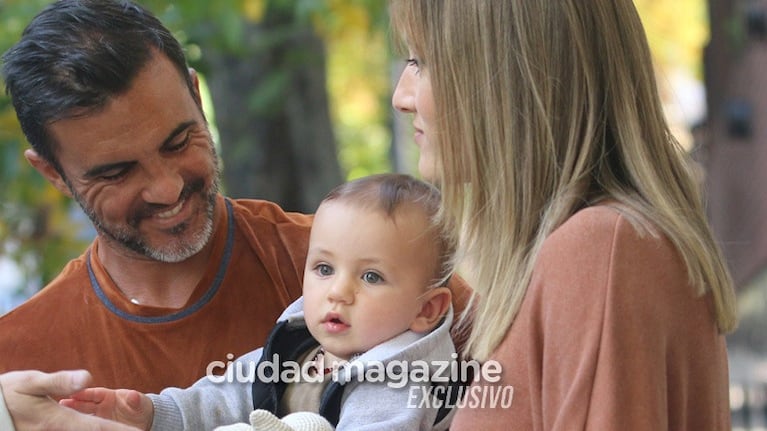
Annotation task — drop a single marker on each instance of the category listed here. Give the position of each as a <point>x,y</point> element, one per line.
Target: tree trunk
<point>271,108</point>
<point>733,139</point>
<point>734,152</point>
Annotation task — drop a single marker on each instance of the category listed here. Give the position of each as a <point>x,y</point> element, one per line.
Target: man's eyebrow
<point>97,171</point>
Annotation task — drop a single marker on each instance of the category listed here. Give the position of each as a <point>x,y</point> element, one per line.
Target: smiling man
<point>178,276</point>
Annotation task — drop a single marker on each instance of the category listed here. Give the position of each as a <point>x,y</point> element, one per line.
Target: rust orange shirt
<point>610,336</point>
<point>81,320</point>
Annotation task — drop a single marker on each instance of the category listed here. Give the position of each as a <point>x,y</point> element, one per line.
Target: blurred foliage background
<point>299,99</point>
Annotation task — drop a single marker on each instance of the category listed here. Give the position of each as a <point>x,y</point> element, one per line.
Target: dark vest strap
<point>330,405</point>
<point>452,395</point>
<point>288,343</point>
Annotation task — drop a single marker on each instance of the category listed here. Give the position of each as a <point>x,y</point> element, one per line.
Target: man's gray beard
<point>176,253</point>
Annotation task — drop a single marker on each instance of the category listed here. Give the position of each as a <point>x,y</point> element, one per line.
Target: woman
<point>599,287</point>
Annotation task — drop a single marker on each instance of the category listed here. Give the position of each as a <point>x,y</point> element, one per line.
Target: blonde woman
<point>599,288</point>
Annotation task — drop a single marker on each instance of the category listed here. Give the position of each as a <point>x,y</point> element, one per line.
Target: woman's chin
<point>427,171</point>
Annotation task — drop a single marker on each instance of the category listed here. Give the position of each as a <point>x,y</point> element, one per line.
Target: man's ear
<point>435,303</point>
<point>47,170</point>
<point>195,86</point>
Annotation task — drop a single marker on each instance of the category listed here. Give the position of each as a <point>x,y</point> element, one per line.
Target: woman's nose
<point>403,98</point>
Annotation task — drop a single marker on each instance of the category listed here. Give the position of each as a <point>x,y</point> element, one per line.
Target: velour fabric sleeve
<point>610,336</point>
<point>601,337</point>
<point>621,340</point>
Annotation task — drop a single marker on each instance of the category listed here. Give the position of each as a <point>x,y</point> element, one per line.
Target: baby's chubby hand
<point>122,405</point>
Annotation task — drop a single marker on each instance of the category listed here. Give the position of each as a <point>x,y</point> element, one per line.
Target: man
<point>178,276</point>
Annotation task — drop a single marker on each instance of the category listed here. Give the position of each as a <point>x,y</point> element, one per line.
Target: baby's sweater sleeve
<point>210,402</point>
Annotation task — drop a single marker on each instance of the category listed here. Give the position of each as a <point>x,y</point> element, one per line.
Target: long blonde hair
<point>545,107</point>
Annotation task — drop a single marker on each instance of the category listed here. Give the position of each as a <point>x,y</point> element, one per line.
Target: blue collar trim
<point>192,308</point>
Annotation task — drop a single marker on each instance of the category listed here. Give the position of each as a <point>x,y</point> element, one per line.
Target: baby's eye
<point>324,270</point>
<point>372,277</point>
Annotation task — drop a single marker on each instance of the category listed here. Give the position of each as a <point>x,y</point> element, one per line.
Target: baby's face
<point>365,274</point>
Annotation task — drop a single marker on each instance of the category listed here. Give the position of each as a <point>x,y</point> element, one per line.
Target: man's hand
<point>29,398</point>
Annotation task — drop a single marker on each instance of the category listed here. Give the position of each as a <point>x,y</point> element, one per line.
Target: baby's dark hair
<point>386,193</point>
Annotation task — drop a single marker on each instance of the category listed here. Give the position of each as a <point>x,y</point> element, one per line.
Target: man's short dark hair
<point>77,54</point>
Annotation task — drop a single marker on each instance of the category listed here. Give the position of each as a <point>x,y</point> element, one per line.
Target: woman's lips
<point>418,134</point>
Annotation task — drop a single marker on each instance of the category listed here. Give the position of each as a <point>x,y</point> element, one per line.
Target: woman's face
<point>413,96</point>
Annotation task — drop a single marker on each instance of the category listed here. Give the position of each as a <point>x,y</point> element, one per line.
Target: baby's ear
<point>435,303</point>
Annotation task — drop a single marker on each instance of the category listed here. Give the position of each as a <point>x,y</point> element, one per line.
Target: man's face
<point>144,168</point>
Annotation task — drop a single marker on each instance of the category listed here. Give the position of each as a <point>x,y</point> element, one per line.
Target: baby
<point>374,298</point>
